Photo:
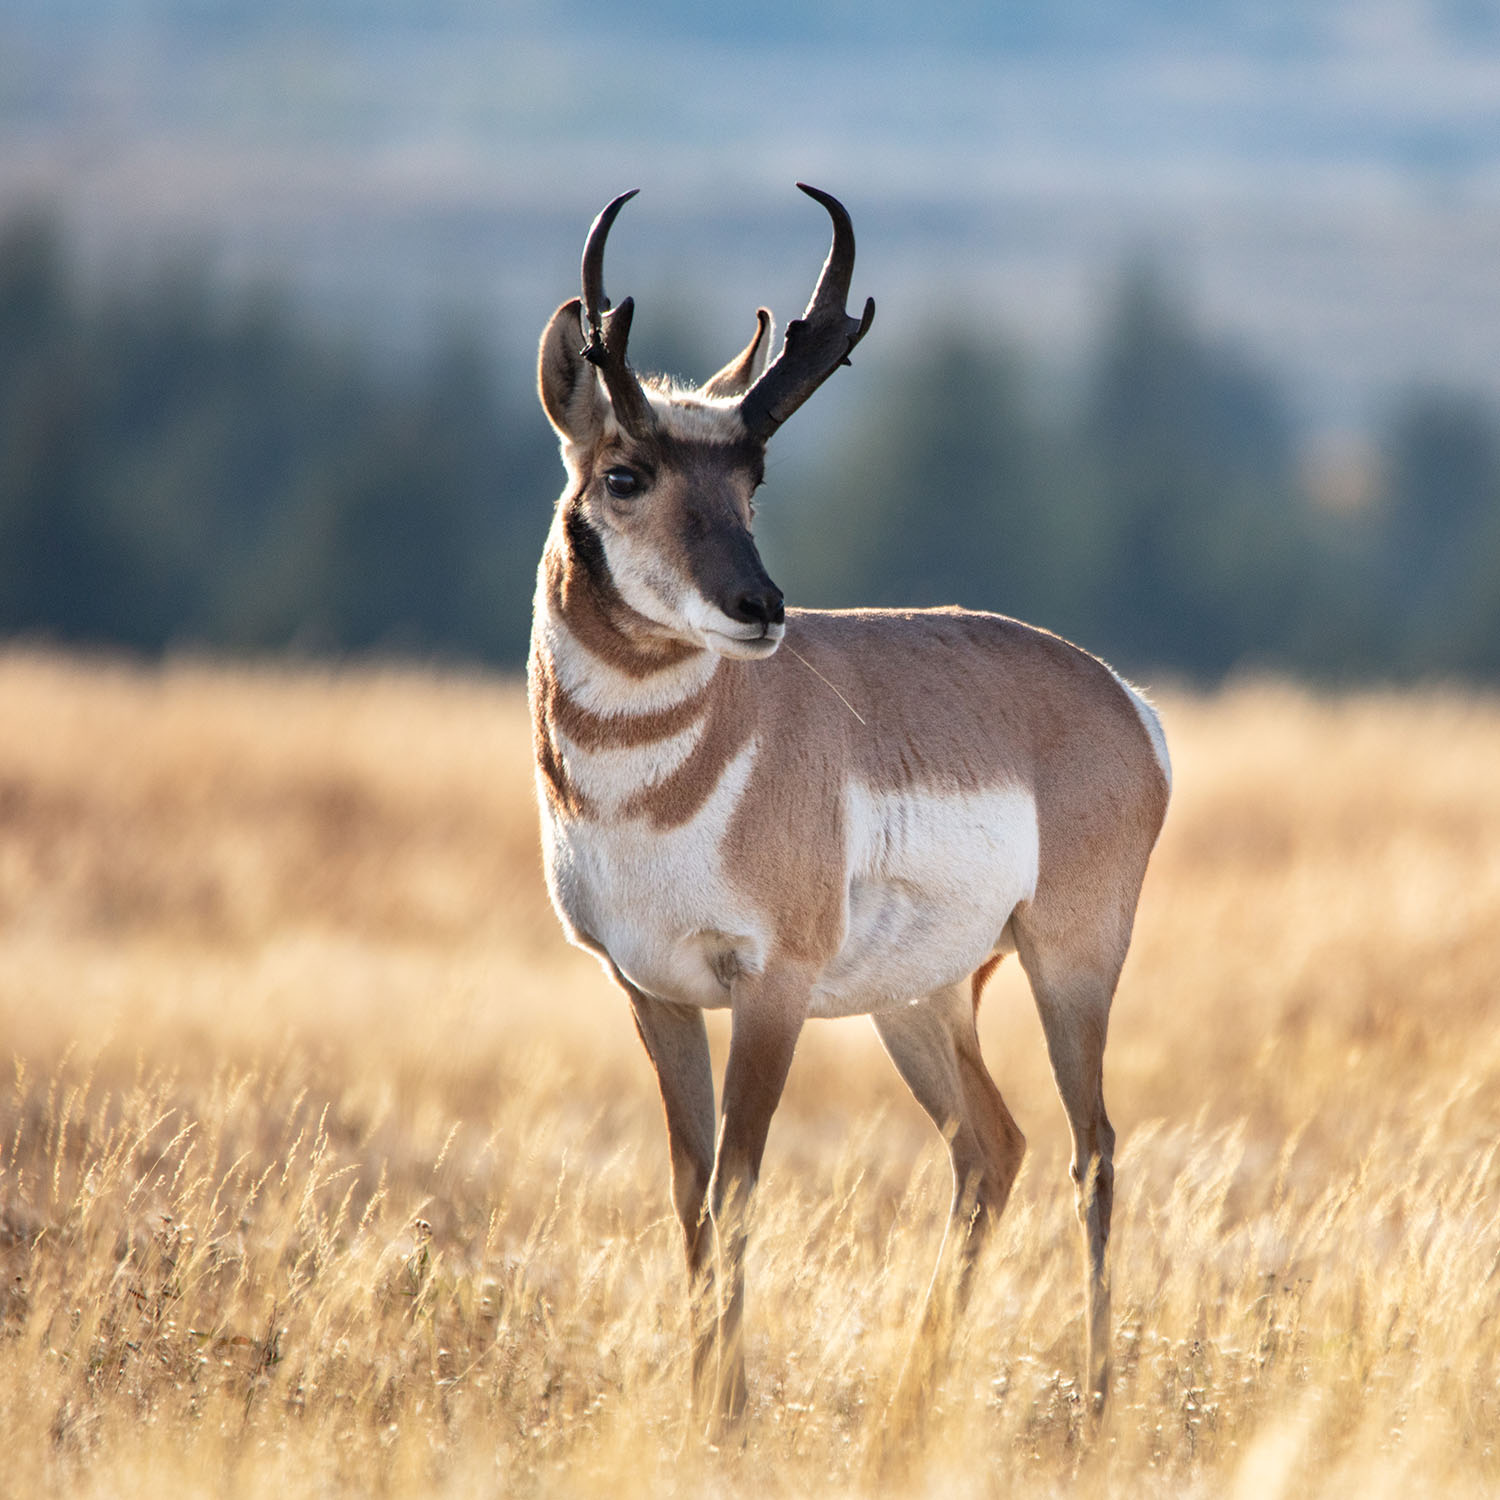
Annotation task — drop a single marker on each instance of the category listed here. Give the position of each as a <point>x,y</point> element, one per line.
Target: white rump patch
<point>1151,721</point>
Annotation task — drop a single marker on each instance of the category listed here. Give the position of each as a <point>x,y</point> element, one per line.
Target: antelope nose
<point>763,606</point>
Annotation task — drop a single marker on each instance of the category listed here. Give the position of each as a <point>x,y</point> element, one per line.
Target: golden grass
<point>325,1168</point>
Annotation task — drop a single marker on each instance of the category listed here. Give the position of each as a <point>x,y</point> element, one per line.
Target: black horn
<point>818,342</point>
<point>609,330</point>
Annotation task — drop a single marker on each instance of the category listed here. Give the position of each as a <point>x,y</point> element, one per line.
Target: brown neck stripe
<point>591,731</point>
<point>584,596</point>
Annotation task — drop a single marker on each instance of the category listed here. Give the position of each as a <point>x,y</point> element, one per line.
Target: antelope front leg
<point>677,1043</point>
<point>768,1012</point>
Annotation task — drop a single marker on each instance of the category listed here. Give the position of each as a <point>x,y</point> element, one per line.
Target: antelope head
<point>661,476</point>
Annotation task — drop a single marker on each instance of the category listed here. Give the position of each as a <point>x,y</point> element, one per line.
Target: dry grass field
<point>327,1170</point>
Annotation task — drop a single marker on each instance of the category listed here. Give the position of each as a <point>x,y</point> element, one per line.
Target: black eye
<point>621,482</point>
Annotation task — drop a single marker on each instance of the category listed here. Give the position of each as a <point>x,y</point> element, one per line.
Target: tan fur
<point>1019,706</point>
<point>740,805</point>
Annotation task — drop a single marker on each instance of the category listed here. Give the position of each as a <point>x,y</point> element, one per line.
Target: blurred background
<point>1188,342</point>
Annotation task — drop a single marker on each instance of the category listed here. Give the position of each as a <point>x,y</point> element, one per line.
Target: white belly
<point>931,881</point>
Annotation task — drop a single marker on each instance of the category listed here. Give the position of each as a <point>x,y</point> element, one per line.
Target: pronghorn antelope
<point>795,813</point>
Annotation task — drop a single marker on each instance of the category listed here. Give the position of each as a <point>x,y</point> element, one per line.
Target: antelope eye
<point>622,483</point>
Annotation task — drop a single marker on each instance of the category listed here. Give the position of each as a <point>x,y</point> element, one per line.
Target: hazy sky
<point>1324,178</point>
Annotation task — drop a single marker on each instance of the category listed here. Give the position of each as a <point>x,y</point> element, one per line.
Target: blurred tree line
<point>179,467</point>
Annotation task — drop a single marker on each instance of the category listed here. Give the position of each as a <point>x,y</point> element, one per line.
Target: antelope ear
<point>567,383</point>
<point>743,370</point>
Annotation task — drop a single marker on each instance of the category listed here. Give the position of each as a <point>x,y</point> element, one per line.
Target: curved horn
<point>818,342</point>
<point>609,330</point>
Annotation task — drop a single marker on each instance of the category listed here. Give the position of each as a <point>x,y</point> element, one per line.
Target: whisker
<point>821,678</point>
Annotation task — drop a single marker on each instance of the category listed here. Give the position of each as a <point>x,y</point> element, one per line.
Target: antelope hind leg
<point>1073,999</point>
<point>935,1048</point>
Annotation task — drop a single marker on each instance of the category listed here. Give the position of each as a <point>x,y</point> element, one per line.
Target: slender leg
<point>1073,1000</point>
<point>767,1018</point>
<point>936,1050</point>
<point>677,1043</point>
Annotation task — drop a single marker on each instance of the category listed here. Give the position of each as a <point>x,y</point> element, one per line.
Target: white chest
<point>656,900</point>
